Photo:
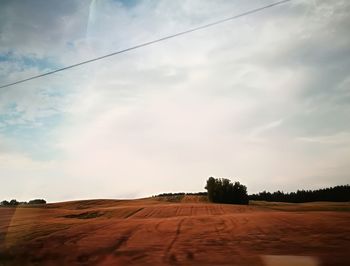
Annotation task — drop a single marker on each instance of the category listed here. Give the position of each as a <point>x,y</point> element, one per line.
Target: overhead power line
<point>149,43</point>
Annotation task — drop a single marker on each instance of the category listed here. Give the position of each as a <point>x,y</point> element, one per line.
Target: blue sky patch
<point>28,61</point>
<point>128,3</point>
<point>33,138</point>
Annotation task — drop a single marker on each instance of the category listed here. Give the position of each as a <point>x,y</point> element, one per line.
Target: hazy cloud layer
<point>264,99</point>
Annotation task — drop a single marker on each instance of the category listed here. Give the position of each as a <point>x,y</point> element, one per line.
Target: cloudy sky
<point>264,99</point>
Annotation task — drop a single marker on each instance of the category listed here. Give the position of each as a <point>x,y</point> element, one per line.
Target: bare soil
<point>191,231</point>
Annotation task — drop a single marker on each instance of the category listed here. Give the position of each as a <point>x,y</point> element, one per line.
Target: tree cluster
<point>337,193</point>
<point>181,194</point>
<point>14,202</point>
<point>222,190</point>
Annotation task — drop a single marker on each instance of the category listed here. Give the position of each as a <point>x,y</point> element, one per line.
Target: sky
<point>264,99</point>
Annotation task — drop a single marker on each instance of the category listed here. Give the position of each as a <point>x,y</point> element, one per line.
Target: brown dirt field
<point>190,232</point>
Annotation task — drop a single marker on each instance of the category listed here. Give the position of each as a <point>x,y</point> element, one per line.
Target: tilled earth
<point>157,232</point>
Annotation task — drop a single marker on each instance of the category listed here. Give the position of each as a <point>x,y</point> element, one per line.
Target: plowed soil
<point>190,232</point>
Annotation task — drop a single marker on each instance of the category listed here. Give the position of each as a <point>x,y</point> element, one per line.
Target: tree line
<point>14,202</point>
<point>337,194</point>
<point>222,190</point>
<point>181,194</point>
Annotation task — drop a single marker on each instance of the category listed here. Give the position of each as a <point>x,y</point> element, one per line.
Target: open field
<point>188,232</point>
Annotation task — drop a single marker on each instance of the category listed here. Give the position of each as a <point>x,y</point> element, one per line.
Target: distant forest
<point>14,202</point>
<point>337,193</point>
<point>181,194</point>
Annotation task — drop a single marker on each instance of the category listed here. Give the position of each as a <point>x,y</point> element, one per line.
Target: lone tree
<point>222,190</point>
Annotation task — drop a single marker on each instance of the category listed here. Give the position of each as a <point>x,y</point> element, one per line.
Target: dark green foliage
<point>178,196</point>
<point>14,202</point>
<point>222,190</point>
<point>5,203</point>
<point>181,194</point>
<point>10,203</point>
<point>337,193</point>
<point>37,201</point>
<point>171,194</point>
